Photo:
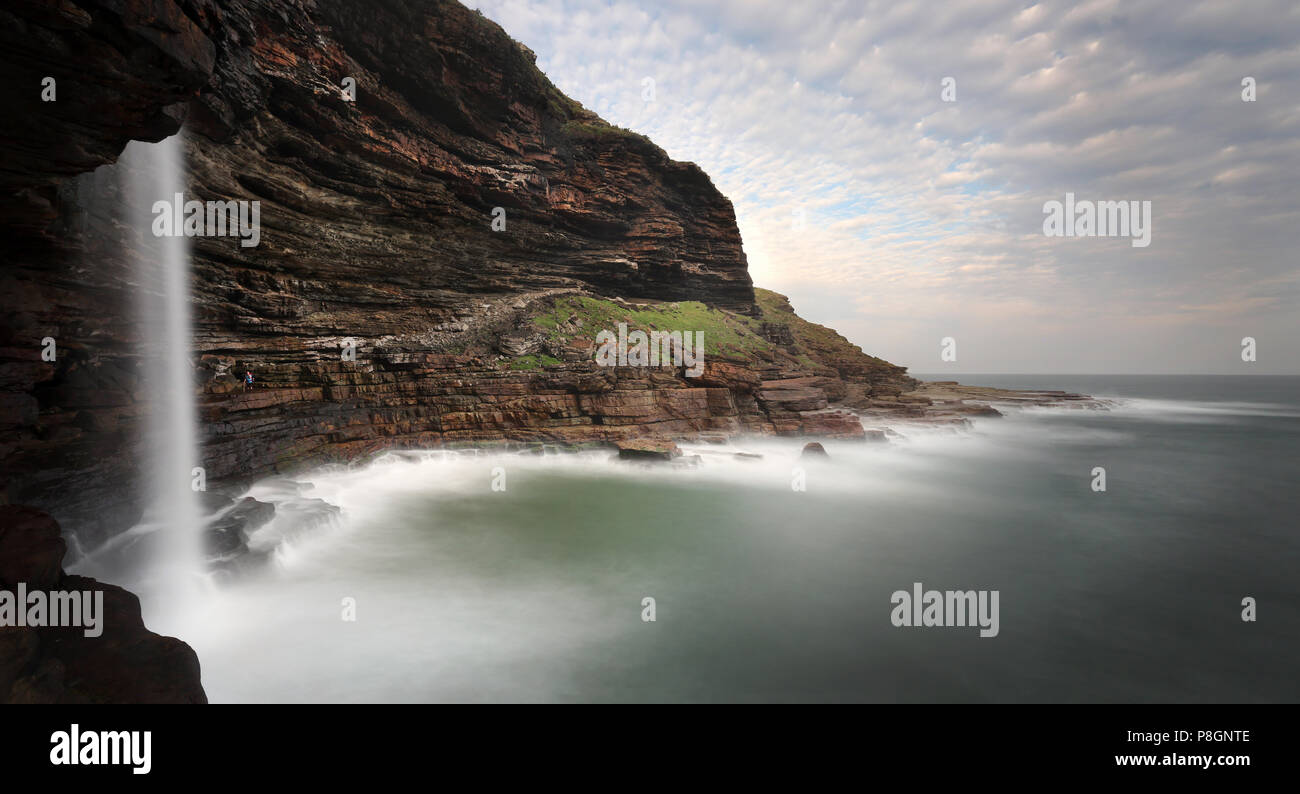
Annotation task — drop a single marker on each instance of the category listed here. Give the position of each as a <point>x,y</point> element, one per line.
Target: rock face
<point>377,235</point>
<point>127,663</point>
<point>121,71</point>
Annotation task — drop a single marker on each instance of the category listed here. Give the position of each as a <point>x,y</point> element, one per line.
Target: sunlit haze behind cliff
<point>922,219</point>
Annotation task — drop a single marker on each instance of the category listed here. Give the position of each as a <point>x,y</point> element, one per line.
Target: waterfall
<point>173,418</point>
<point>165,551</point>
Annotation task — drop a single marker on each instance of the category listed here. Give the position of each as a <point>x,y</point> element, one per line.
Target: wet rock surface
<point>814,450</point>
<point>953,404</point>
<point>227,535</point>
<point>647,450</point>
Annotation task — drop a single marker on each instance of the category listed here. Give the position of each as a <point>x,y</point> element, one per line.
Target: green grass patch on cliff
<point>596,130</point>
<point>815,340</point>
<point>726,335</point>
<point>565,107</point>
<point>534,361</point>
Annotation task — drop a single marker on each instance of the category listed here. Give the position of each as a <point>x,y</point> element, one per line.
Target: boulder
<point>814,450</point>
<point>227,536</point>
<point>648,450</point>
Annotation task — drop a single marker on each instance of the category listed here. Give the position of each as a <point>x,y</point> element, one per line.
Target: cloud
<point>928,214</point>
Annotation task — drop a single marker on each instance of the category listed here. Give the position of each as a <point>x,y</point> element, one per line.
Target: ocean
<point>501,577</point>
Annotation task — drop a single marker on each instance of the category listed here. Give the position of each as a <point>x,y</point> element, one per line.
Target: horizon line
<point>1127,374</point>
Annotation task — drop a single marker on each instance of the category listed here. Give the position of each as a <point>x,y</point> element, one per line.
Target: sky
<point>890,162</point>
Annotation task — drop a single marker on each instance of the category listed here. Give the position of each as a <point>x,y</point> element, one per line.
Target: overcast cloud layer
<point>922,219</point>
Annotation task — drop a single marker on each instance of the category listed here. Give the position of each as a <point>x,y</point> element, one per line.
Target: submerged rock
<point>649,450</point>
<point>814,450</point>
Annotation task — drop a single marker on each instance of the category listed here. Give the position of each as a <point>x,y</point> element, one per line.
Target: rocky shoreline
<point>951,403</point>
<point>232,516</point>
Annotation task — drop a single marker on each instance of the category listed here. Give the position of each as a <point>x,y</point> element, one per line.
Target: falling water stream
<point>164,548</point>
<point>179,561</point>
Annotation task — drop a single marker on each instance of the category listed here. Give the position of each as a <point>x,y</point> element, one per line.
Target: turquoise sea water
<point>764,593</point>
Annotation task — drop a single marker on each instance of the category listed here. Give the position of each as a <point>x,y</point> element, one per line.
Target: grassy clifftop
<point>820,343</point>
<point>726,335</point>
<point>776,340</point>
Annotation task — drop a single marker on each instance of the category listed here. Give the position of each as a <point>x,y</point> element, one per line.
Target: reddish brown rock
<point>794,394</point>
<point>814,450</point>
<point>831,424</point>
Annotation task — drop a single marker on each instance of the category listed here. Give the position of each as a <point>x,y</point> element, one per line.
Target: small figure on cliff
<point>248,381</point>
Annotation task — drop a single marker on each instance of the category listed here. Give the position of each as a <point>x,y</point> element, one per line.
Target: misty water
<point>763,593</point>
